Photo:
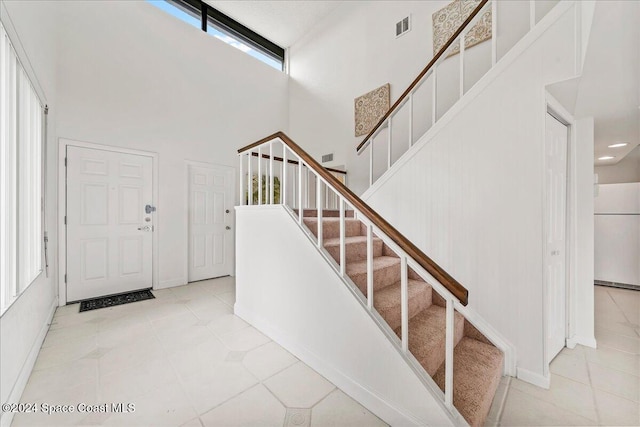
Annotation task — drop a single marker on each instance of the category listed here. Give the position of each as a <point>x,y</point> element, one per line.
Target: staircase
<point>477,362</point>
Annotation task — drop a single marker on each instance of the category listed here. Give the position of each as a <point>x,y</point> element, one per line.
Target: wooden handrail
<point>426,69</point>
<point>295,162</point>
<point>452,285</point>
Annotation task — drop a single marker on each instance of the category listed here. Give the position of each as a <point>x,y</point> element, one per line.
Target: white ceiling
<point>283,22</point>
<point>609,89</point>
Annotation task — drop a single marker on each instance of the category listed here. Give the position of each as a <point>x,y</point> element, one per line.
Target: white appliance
<point>617,234</point>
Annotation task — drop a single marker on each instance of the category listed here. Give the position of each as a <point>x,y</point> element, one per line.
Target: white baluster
<point>283,189</point>
<point>271,189</point>
<point>404,303</point>
<point>250,178</point>
<point>389,143</point>
<point>369,266</point>
<point>410,119</point>
<point>462,34</point>
<point>434,101</point>
<point>343,255</point>
<point>260,175</point>
<point>319,208</point>
<point>371,163</point>
<point>241,180</point>
<point>494,32</point>
<point>449,342</point>
<point>300,191</point>
<point>532,14</point>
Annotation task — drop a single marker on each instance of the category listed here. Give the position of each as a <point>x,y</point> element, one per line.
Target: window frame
<point>22,178</point>
<point>209,16</point>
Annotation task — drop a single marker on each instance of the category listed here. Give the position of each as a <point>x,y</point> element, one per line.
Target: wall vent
<point>327,158</point>
<point>403,26</point>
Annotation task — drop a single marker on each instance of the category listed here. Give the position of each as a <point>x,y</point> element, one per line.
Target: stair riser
<point>417,303</point>
<point>432,361</point>
<point>356,251</point>
<point>382,278</point>
<point>331,229</point>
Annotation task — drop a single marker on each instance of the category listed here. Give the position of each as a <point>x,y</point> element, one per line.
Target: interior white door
<point>109,233</point>
<point>556,189</point>
<point>210,221</point>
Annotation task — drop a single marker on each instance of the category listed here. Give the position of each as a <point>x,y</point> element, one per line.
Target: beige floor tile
<point>72,396</point>
<point>193,423</point>
<point>244,339</point>
<point>255,407</point>
<point>299,386</point>
<point>574,368</point>
<point>206,302</point>
<point>615,359</point>
<point>176,339</point>
<point>71,350</point>
<point>124,336</point>
<point>568,394</point>
<point>160,311</point>
<point>188,291</point>
<point>522,409</point>
<point>218,286</point>
<point>212,313</point>
<point>219,384</point>
<point>267,360</point>
<point>616,411</point>
<point>165,406</point>
<point>620,342</point>
<point>199,360</point>
<point>47,382</point>
<point>130,355</point>
<point>614,381</point>
<point>136,380</point>
<point>339,410</point>
<point>228,298</point>
<point>226,323</point>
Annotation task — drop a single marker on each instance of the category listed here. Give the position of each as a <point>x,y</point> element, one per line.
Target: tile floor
<point>588,386</point>
<point>183,359</point>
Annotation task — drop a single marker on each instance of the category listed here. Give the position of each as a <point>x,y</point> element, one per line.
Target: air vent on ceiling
<point>403,26</point>
<point>327,158</point>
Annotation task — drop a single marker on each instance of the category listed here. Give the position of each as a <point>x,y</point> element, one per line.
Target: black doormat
<point>113,300</point>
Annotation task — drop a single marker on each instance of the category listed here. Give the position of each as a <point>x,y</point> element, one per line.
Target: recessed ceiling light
<point>606,158</point>
<point>619,144</point>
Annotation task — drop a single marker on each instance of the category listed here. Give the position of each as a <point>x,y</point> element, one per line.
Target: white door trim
<point>233,171</point>
<point>555,109</point>
<point>63,143</point>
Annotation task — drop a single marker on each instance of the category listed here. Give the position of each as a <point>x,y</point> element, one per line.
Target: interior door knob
<point>228,228</point>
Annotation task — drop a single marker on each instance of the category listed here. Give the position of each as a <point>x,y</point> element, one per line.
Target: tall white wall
<point>31,26</point>
<point>472,196</point>
<point>131,75</point>
<point>354,50</point>
<point>286,289</point>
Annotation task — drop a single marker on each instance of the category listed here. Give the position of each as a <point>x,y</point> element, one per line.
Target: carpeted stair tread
<point>477,369</point>
<point>331,227</point>
<point>386,272</point>
<point>387,301</point>
<point>356,247</point>
<point>427,337</point>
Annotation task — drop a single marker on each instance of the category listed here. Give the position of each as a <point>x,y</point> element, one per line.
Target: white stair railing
<point>280,146</point>
<point>405,103</point>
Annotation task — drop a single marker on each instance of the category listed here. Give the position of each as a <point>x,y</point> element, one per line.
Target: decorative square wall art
<point>370,107</point>
<point>448,19</point>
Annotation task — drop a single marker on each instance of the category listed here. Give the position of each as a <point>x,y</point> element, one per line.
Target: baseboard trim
<point>357,391</point>
<point>586,341</point>
<point>27,367</point>
<point>534,378</point>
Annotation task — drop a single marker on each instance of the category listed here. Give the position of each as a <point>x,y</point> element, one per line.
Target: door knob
<point>146,228</point>
<point>228,228</point>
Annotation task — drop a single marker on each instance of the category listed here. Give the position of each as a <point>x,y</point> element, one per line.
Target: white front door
<point>109,234</point>
<point>210,221</point>
<point>556,189</point>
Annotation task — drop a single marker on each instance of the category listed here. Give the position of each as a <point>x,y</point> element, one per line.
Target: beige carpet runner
<point>477,367</point>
